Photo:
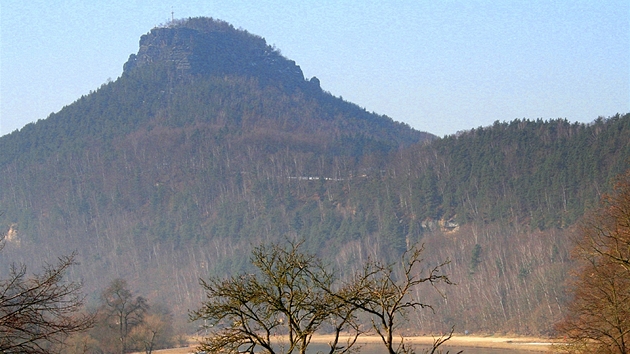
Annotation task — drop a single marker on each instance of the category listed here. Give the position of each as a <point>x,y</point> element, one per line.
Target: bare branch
<point>598,317</point>
<point>40,311</point>
<point>376,291</point>
<point>285,299</point>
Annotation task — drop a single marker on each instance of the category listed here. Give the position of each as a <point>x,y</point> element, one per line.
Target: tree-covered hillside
<point>176,169</point>
<point>539,174</point>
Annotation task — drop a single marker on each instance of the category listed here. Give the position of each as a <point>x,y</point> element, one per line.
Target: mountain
<point>204,72</point>
<point>147,168</point>
<point>211,142</point>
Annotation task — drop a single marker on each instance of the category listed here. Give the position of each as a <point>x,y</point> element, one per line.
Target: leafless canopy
<point>122,310</point>
<point>40,311</point>
<point>598,317</point>
<point>278,309</point>
<point>384,292</point>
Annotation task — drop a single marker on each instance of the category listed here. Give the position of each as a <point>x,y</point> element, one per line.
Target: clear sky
<point>441,66</point>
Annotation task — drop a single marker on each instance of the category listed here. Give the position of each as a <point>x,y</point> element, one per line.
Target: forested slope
<point>502,203</point>
<point>540,174</point>
<point>173,171</point>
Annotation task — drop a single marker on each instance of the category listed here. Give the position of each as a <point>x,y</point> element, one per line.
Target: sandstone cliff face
<point>210,47</point>
<point>12,235</point>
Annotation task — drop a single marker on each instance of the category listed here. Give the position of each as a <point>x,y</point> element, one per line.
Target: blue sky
<point>440,66</point>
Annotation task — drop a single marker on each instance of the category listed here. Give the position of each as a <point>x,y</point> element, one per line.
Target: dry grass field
<point>517,343</point>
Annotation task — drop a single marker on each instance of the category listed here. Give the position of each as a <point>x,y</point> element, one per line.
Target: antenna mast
<point>172,15</point>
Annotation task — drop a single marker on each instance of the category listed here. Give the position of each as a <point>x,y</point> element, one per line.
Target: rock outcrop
<point>204,46</point>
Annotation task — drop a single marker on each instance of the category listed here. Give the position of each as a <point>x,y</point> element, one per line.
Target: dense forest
<point>212,142</point>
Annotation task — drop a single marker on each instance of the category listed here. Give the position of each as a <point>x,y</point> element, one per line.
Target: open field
<point>532,344</point>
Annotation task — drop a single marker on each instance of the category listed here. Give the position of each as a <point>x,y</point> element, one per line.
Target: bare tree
<point>123,311</point>
<point>606,233</point>
<point>598,317</point>
<point>155,331</point>
<point>385,293</point>
<point>40,311</point>
<point>278,309</point>
<point>147,334</point>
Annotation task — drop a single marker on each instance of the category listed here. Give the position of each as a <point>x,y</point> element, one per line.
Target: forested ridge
<point>542,174</point>
<point>176,169</point>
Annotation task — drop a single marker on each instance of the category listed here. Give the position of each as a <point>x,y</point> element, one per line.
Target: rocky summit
<point>212,47</point>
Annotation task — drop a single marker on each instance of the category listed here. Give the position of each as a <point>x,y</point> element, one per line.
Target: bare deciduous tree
<point>598,317</point>
<point>152,333</point>
<point>606,234</point>
<point>278,309</point>
<point>385,293</point>
<point>123,311</point>
<point>40,311</point>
